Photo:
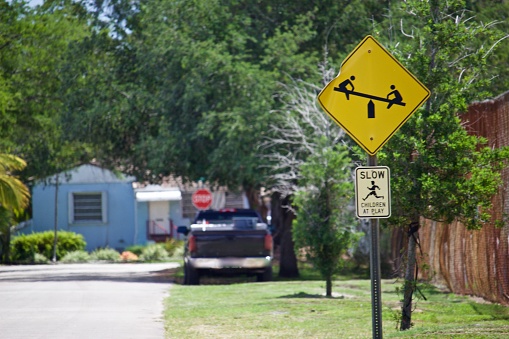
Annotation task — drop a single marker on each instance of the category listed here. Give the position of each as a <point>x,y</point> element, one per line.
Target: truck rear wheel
<point>191,275</point>
<point>265,276</point>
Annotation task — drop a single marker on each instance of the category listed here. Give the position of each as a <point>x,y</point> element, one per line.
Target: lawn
<point>298,309</point>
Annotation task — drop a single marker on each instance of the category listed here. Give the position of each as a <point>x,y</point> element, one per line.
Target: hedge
<point>24,247</point>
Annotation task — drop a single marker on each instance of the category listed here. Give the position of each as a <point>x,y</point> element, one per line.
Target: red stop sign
<point>202,199</point>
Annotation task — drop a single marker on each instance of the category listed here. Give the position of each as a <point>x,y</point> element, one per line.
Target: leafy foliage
<point>172,246</point>
<point>495,14</point>
<point>32,69</point>
<point>187,88</point>
<point>154,252</point>
<point>440,171</point>
<point>14,197</point>
<point>105,254</point>
<point>325,227</point>
<point>75,257</point>
<point>40,259</point>
<point>136,249</point>
<point>299,130</point>
<point>24,247</point>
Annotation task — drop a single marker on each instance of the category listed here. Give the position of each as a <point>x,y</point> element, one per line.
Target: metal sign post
<point>374,260</point>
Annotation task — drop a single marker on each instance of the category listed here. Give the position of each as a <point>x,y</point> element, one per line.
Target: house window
<point>87,207</point>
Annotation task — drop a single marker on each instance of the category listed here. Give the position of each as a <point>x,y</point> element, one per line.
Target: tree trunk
<point>55,236</point>
<point>253,197</point>
<point>288,261</point>
<point>256,201</point>
<point>5,241</point>
<point>328,286</point>
<point>409,287</point>
<point>7,256</point>
<point>282,218</point>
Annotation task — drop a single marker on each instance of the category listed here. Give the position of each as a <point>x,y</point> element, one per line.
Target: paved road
<point>83,301</point>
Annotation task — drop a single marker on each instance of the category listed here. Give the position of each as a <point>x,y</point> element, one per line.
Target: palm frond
<point>13,193</point>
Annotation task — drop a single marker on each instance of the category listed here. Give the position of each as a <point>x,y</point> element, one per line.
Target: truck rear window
<point>224,217</point>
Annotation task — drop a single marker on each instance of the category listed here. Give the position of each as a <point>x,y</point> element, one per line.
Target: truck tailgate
<point>226,243</point>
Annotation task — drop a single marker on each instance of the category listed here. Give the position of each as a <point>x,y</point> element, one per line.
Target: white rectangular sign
<point>373,192</point>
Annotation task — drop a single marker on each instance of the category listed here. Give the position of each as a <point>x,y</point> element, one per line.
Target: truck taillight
<point>268,242</point>
<point>192,243</point>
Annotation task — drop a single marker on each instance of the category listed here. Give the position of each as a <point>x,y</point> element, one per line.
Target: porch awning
<point>158,196</point>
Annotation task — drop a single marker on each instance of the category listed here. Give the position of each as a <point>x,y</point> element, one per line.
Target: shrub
<point>171,245</point>
<point>24,247</point>
<point>179,251</point>
<point>107,254</point>
<point>154,252</point>
<point>40,259</point>
<point>75,257</point>
<point>136,249</point>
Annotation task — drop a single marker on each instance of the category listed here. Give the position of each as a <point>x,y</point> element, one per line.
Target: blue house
<point>115,211</point>
<point>91,201</point>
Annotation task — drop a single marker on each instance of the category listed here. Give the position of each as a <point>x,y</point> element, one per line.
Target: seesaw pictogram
<point>393,98</point>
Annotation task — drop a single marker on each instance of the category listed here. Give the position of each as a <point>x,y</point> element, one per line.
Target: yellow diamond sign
<point>372,96</point>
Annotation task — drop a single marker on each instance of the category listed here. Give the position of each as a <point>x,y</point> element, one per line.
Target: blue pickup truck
<point>227,242</point>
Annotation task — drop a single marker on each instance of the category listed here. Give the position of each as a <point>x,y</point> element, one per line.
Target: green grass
<point>298,309</point>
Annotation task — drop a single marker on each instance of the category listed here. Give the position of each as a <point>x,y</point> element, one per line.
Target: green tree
<point>309,167</point>
<point>187,87</point>
<point>35,73</point>
<point>325,228</point>
<point>438,170</point>
<point>35,53</point>
<point>495,13</point>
